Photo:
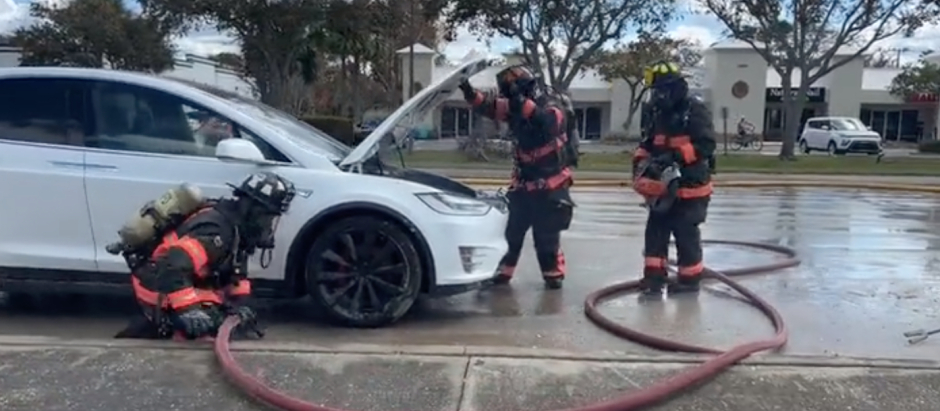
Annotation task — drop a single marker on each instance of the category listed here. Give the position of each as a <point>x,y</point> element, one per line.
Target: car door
<point>145,142</point>
<point>824,134</point>
<point>44,223</point>
<point>812,133</point>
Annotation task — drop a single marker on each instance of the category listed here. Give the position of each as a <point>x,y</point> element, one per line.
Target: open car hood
<point>397,125</point>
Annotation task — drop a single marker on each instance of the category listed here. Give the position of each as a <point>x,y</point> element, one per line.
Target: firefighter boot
<point>654,282</point>
<point>553,268</point>
<point>553,280</point>
<point>503,275</point>
<point>686,284</point>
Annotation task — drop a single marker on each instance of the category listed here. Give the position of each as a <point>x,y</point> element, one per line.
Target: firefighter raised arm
<point>514,81</point>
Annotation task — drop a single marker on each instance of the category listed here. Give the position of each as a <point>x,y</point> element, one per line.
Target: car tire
<point>363,272</point>
<point>804,147</point>
<point>832,149</point>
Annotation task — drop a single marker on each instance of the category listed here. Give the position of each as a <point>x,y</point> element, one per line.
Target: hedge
<point>932,147</point>
<point>341,128</point>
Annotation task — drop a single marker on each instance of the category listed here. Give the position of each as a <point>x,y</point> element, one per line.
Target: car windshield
<point>847,124</point>
<point>287,124</point>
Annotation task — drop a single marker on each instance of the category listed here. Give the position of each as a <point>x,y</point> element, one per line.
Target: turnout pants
<point>547,213</point>
<point>165,324</point>
<point>682,222</point>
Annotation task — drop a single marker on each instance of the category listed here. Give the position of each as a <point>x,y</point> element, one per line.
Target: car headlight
<point>454,205</point>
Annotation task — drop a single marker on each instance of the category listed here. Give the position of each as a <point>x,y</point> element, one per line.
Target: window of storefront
<point>455,122</point>
<point>894,125</point>
<point>589,122</point>
<point>775,119</point>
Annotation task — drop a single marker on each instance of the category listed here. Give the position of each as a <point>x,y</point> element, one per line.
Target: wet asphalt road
<point>871,270</point>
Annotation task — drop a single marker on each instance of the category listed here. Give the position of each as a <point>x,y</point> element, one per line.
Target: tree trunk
<point>631,115</point>
<point>357,92</point>
<point>628,122</point>
<point>793,108</point>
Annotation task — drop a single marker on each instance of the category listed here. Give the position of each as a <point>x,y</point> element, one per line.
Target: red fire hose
<point>659,392</point>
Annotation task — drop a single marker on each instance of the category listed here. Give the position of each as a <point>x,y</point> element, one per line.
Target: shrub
<point>930,147</point>
<point>340,128</point>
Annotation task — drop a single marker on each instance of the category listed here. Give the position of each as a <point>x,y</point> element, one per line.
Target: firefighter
<point>543,157</point>
<point>671,169</point>
<point>195,276</point>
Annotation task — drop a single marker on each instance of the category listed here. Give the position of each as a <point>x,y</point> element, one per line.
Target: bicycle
<point>752,141</point>
<point>746,137</point>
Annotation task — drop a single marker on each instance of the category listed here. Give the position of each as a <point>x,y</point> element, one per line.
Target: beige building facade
<point>734,77</point>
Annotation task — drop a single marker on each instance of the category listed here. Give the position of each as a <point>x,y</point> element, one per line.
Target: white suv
<point>82,149</point>
<point>839,135</point>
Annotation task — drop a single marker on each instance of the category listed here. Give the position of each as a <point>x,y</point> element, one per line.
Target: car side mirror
<point>239,150</point>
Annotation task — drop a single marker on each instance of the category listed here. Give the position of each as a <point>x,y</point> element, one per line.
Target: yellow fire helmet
<point>662,70</point>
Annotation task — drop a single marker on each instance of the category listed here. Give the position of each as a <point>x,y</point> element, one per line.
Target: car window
<point>140,119</point>
<point>45,111</point>
<point>289,126</point>
<point>847,124</point>
<point>820,124</point>
<point>210,128</point>
<point>813,124</point>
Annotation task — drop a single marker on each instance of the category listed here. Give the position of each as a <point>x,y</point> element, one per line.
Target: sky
<point>693,24</point>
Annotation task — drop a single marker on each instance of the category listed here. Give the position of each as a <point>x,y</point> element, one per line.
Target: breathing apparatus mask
<point>668,87</point>
<point>258,225</point>
<point>518,82</point>
<point>262,199</point>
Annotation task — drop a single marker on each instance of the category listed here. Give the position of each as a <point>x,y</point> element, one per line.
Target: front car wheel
<point>804,146</point>
<point>364,272</point>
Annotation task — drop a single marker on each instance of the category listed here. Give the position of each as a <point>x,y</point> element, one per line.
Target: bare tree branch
<point>580,27</point>
<point>627,63</point>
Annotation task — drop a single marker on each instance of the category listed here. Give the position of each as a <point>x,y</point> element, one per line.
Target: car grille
<point>864,146</point>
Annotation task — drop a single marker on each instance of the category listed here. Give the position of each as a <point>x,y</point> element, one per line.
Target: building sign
<point>813,95</point>
<point>923,98</point>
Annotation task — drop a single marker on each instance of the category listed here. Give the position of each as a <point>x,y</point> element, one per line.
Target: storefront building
<point>734,77</point>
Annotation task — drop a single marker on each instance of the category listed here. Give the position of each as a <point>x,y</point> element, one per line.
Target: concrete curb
<point>926,188</point>
<point>30,342</point>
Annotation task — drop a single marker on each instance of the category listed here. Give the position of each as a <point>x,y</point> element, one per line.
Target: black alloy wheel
<point>364,272</point>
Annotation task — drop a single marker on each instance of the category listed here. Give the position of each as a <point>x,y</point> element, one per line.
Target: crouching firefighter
<point>672,171</point>
<point>188,257</point>
<point>543,157</point>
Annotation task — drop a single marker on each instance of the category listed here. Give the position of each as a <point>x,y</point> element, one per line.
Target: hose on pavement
<point>659,392</point>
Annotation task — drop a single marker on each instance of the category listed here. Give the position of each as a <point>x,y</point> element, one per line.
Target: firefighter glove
<point>196,323</point>
<point>468,92</point>
<point>516,102</point>
<point>247,321</point>
<point>649,188</point>
<point>245,314</point>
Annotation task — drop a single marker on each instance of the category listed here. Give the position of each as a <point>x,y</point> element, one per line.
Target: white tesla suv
<point>82,149</point>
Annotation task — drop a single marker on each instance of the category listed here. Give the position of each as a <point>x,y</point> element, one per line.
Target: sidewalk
<point>503,175</point>
<point>57,375</point>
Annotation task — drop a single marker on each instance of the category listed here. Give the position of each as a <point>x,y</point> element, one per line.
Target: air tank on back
<point>156,216</point>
